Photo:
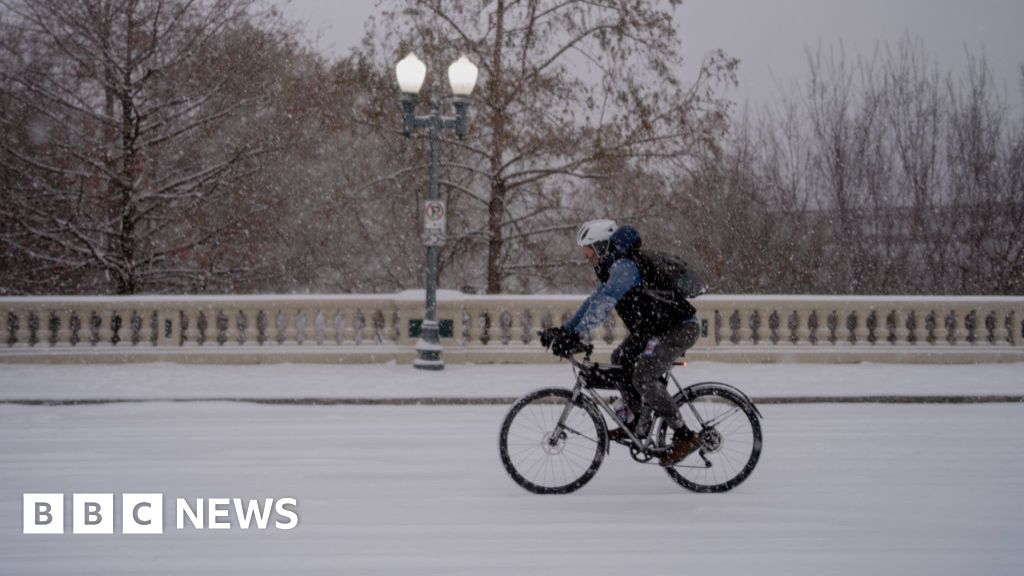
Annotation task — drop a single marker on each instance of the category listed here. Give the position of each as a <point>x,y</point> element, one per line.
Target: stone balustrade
<point>381,328</point>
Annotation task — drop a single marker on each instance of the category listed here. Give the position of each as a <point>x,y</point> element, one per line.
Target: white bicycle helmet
<point>595,231</point>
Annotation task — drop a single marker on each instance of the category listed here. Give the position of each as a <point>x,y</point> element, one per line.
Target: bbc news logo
<point>144,513</point>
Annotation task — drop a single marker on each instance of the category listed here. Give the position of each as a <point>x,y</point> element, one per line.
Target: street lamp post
<point>462,78</point>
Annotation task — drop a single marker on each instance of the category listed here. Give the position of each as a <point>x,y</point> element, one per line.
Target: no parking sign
<point>435,216</point>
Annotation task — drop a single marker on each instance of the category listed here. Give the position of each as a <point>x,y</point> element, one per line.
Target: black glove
<point>547,337</point>
<point>567,344</point>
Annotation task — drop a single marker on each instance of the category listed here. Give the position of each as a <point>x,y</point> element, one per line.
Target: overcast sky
<point>770,37</point>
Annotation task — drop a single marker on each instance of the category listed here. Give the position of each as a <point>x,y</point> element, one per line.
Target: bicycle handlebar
<point>587,352</point>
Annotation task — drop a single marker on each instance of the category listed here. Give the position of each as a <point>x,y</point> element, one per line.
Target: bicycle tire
<point>733,446</point>
<point>543,467</point>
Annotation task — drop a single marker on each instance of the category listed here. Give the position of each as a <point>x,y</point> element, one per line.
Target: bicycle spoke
<point>715,421</point>
<point>581,435</point>
<point>734,436</point>
<point>544,455</point>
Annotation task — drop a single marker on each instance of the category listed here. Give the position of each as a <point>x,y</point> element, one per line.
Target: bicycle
<point>553,440</point>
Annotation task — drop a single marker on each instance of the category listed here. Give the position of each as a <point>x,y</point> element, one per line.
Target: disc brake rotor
<point>711,440</point>
<point>553,444</point>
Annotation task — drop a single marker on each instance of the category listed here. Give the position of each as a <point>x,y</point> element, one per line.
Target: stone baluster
<point>291,330</point>
<point>1014,332</point>
<point>309,331</point>
<point>338,326</point>
<point>515,330</point>
<point>776,327</point>
<point>78,334</point>
<point>1000,336</point>
<point>251,334</point>
<point>324,330</point>
<point>490,326</point>
<point>352,328</point>
<point>348,326</point>
<point>902,332</point>
<point>861,331</point>
<point>105,331</point>
<point>360,323</point>
<point>145,327</point>
<point>43,332</point>
<point>316,324</point>
<point>920,327</point>
<point>350,321</point>
<point>531,323</point>
<point>22,334</point>
<point>949,326</point>
<point>393,324</point>
<point>797,333</point>
<point>842,330</point>
<point>764,329</point>
<point>500,324</point>
<point>63,326</point>
<point>168,327</point>
<point>952,330</point>
<point>784,332</point>
<point>332,326</point>
<point>528,321</point>
<point>471,331</point>
<point>230,322</point>
<point>330,315</point>
<point>239,317</point>
<point>746,334</point>
<point>191,314</point>
<point>941,332</point>
<point>370,320</point>
<point>802,330</point>
<point>271,332</point>
<point>962,333</point>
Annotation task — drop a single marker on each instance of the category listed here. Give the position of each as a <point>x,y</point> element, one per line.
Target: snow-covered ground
<point>156,381</point>
<point>841,489</point>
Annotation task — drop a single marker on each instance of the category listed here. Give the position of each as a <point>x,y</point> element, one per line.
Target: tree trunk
<point>499,190</point>
<point>495,210</point>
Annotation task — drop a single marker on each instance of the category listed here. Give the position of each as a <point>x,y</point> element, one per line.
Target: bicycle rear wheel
<point>546,458</point>
<point>730,435</point>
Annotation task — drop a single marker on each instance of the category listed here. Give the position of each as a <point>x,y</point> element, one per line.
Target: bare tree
<point>916,251</point>
<point>985,164</point>
<point>881,176</point>
<point>127,132</point>
<point>569,91</point>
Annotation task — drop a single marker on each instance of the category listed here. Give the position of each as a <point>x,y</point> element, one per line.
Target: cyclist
<point>660,330</point>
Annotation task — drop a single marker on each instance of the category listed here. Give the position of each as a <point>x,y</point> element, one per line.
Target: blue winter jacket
<point>622,290</point>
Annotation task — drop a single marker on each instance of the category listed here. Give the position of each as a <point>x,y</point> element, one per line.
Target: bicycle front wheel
<point>546,457</point>
<point>730,434</point>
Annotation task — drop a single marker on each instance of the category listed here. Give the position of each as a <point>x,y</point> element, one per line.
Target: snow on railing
<point>503,327</point>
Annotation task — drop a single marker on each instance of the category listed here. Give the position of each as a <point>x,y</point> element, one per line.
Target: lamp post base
<point>427,363</point>
<point>428,348</point>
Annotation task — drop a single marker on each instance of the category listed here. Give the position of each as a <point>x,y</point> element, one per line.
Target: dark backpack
<point>668,277</point>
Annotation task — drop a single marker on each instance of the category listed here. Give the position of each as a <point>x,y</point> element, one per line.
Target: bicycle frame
<point>648,443</point>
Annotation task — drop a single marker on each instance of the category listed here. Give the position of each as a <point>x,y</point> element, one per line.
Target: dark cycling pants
<point>647,359</point>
